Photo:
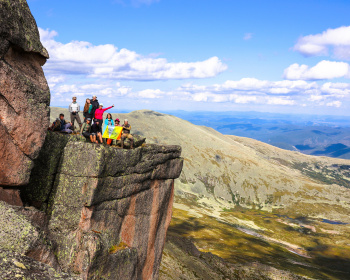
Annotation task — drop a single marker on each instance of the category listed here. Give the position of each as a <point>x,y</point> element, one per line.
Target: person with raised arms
<point>99,114</point>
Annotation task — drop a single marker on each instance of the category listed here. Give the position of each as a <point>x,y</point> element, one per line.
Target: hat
<point>117,120</point>
<point>88,119</point>
<point>101,104</point>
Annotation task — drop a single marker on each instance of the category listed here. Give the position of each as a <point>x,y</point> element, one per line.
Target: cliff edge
<point>100,212</point>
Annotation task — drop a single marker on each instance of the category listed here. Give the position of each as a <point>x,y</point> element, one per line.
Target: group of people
<point>91,128</point>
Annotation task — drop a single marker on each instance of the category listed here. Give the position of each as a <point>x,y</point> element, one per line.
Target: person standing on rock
<point>95,104</point>
<point>88,110</point>
<point>74,109</point>
<point>108,122</point>
<point>99,114</point>
<point>126,134</point>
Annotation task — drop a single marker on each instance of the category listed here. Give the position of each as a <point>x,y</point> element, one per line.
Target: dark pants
<point>100,123</point>
<point>74,117</point>
<point>87,135</point>
<point>88,116</point>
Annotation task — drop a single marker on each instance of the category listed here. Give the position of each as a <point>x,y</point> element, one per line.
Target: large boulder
<point>109,208</point>
<point>24,93</point>
<point>25,250</point>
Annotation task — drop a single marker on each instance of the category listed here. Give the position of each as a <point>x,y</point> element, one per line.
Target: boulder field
<point>70,209</point>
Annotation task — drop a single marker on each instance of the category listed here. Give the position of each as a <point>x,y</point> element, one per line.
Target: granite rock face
<point>108,209</point>
<point>24,93</point>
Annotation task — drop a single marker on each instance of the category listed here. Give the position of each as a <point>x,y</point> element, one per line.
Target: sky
<point>289,56</point>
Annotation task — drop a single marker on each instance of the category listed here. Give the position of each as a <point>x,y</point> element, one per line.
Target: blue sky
<point>273,56</point>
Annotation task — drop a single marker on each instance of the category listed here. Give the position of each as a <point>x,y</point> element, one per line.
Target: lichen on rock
<point>24,93</point>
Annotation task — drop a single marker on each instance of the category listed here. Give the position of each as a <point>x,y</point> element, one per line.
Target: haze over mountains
<point>247,201</point>
<point>309,134</point>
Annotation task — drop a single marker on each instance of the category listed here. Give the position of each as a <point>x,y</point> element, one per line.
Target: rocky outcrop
<point>24,93</point>
<point>108,209</point>
<point>67,206</point>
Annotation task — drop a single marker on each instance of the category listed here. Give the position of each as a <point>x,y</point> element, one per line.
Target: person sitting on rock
<point>74,110</point>
<point>99,114</point>
<point>117,122</point>
<point>96,130</point>
<point>86,131</point>
<point>88,110</point>
<point>108,121</point>
<point>61,125</point>
<point>126,134</point>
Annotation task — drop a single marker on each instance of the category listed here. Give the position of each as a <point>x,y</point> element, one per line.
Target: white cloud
<point>244,91</point>
<point>53,80</point>
<point>280,101</point>
<point>323,70</point>
<point>336,103</point>
<point>106,61</point>
<point>150,93</point>
<point>335,40</point>
<point>248,36</point>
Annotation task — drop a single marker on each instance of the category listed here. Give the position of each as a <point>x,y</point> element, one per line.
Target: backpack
<point>56,126</point>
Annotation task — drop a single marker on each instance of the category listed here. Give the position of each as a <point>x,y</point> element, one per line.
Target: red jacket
<point>99,112</point>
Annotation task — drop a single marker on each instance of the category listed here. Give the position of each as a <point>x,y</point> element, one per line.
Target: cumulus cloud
<point>150,93</point>
<point>335,41</point>
<point>274,93</point>
<point>252,86</point>
<point>107,61</point>
<point>323,70</point>
<point>336,103</point>
<point>245,91</point>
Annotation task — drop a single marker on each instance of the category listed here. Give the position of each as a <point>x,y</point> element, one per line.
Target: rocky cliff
<point>104,212</point>
<point>70,209</point>
<point>24,93</point>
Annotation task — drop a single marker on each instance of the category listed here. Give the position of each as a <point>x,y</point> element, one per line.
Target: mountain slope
<point>247,201</point>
